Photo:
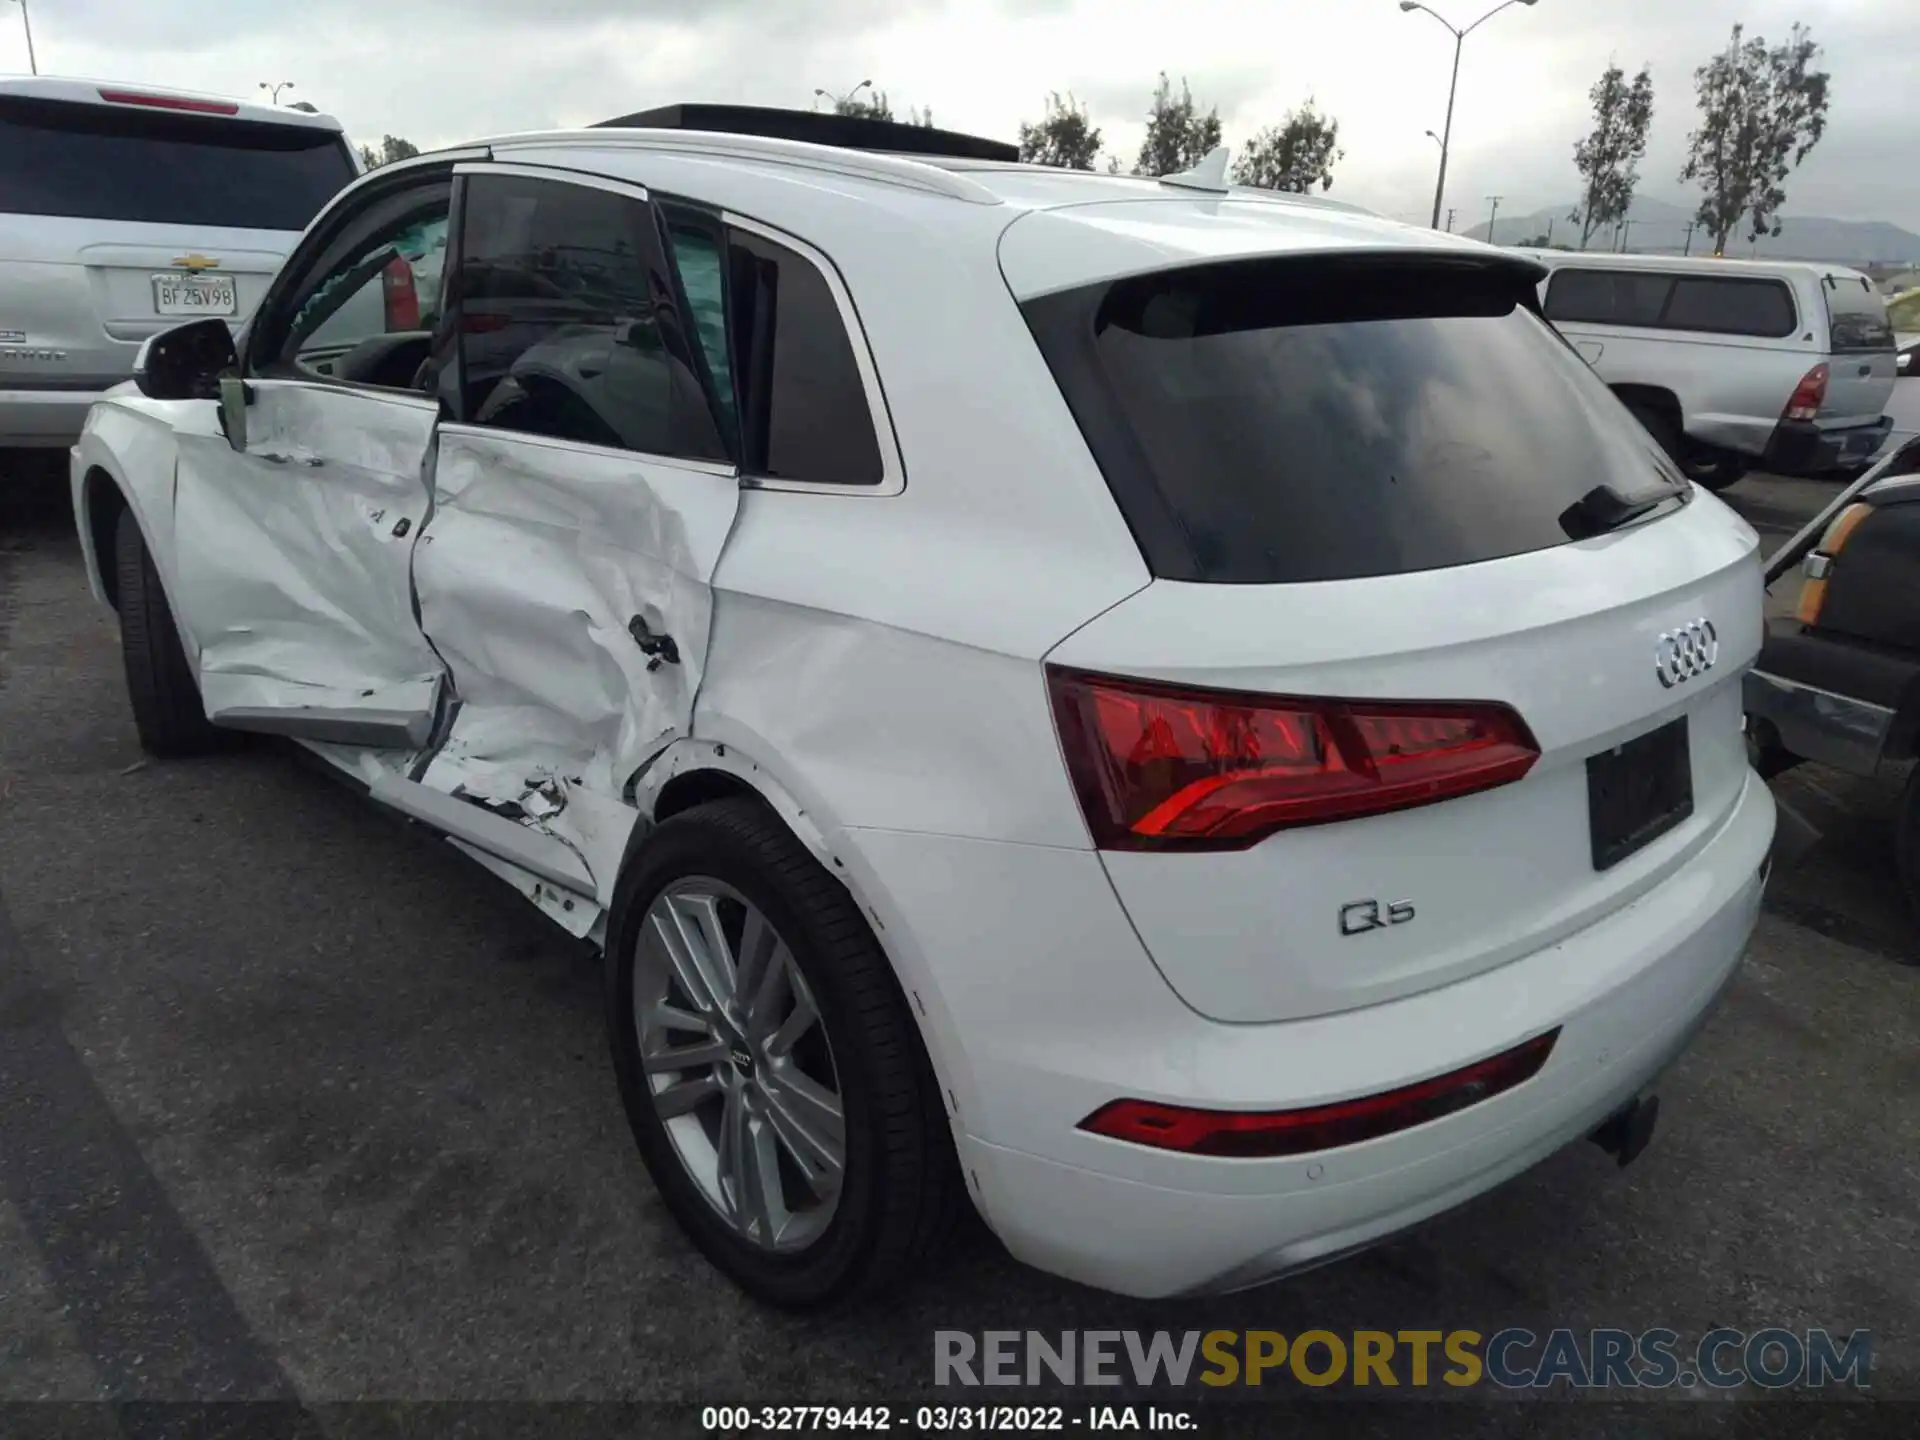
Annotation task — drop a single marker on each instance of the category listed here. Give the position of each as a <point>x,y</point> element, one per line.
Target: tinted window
<point>700,254</point>
<point>805,408</point>
<point>1761,308</point>
<point>568,322</point>
<point>1858,315</point>
<point>101,162</point>
<point>1607,297</point>
<point>1278,421</point>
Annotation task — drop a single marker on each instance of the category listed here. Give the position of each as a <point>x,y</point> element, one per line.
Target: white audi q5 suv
<point>1185,715</point>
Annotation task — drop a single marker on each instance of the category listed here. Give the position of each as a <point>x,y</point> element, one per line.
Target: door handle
<point>1866,369</point>
<point>659,648</point>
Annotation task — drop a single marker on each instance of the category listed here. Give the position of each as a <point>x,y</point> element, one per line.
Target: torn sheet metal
<point>568,591</point>
<point>293,570</point>
<point>577,915</point>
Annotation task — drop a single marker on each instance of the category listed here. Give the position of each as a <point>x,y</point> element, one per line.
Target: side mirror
<point>186,362</point>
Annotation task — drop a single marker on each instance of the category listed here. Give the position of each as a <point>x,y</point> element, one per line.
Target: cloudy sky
<point>438,71</point>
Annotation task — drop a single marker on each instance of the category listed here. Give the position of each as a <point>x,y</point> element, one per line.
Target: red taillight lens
<point>479,323</point>
<point>170,102</point>
<point>1163,767</point>
<point>403,301</point>
<point>1256,1133</point>
<point>1809,395</point>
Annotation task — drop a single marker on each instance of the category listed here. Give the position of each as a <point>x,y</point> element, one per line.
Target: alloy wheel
<point>738,1064</point>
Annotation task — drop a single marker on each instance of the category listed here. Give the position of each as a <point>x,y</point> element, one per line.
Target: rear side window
<point>1283,420</point>
<point>1607,297</point>
<point>1727,306</point>
<point>1716,305</point>
<point>103,162</point>
<point>569,326</point>
<point>803,404</point>
<point>1858,316</point>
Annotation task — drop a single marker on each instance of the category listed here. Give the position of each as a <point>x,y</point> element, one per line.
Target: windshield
<point>1294,420</point>
<point>101,162</point>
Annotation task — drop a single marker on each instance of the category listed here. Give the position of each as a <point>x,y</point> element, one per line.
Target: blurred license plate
<point>1639,791</point>
<point>195,295</point>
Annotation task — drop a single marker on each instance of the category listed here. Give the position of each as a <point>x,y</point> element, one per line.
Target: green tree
<point>874,105</point>
<point>1178,135</point>
<point>392,148</point>
<point>1762,110</point>
<point>1297,155</point>
<point>1065,138</point>
<point>1608,158</point>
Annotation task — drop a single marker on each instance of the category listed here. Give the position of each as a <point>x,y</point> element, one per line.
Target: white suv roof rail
<point>862,164</point>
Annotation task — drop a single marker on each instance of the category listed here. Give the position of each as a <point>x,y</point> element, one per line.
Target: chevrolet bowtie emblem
<point>196,262</point>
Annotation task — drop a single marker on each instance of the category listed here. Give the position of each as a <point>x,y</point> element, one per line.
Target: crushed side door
<point>294,566</point>
<point>569,592</point>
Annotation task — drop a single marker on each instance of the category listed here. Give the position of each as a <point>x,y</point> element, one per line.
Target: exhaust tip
<point>1629,1130</point>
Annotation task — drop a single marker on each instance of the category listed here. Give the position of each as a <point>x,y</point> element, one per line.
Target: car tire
<point>1713,472</point>
<point>1906,843</point>
<point>1710,470</point>
<point>167,713</point>
<point>898,1188</point>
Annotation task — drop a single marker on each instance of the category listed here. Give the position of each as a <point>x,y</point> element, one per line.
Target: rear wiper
<point>1604,508</point>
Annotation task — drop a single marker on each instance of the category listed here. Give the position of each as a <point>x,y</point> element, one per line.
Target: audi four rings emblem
<point>1686,652</point>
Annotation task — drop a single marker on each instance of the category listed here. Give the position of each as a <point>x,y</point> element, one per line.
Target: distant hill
<point>1661,227</point>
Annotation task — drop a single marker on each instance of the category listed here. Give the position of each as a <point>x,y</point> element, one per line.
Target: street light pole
<point>274,90</point>
<point>841,101</point>
<point>1494,215</point>
<point>26,22</point>
<point>1453,86</point>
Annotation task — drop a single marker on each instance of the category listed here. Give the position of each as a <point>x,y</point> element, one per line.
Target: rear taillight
<point>1819,565</point>
<point>1809,395</point>
<point>1166,767</point>
<point>170,102</point>
<point>1250,1134</point>
<point>403,301</point>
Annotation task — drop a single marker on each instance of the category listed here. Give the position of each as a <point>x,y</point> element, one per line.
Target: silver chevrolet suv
<point>123,211</point>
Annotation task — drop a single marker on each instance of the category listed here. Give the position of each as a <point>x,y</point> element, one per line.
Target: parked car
<point>1838,681</point>
<point>1903,410</point>
<point>1186,716</point>
<point>1733,365</point>
<point>123,210</point>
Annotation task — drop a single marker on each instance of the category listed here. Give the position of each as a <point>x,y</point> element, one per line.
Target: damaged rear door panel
<point>568,591</point>
<point>580,505</point>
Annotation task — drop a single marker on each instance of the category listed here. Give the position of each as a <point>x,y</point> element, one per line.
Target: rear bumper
<point>44,419</point>
<point>1832,701</point>
<point>1628,994</point>
<point>1802,447</point>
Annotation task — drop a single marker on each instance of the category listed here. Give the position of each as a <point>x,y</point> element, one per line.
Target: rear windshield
<point>1286,420</point>
<point>1859,315</point>
<point>101,162</point>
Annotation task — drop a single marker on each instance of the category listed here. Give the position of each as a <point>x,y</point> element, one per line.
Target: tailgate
<point>1571,639</point>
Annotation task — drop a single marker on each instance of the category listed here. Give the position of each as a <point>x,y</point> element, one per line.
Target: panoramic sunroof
<point>848,132</point>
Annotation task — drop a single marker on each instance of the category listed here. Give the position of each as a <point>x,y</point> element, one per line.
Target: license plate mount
<point>180,294</point>
<point>1638,791</point>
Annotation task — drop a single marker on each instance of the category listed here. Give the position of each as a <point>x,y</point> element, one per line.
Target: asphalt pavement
<point>296,1103</point>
